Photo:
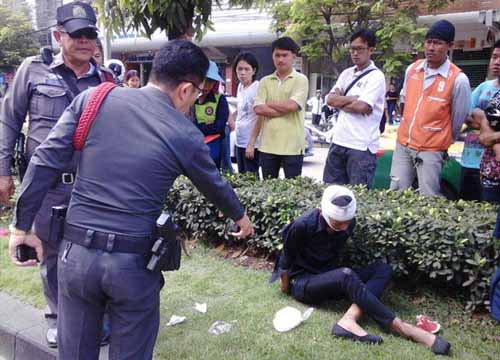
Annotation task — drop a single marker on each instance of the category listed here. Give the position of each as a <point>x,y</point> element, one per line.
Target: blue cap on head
<point>442,30</point>
<point>213,72</point>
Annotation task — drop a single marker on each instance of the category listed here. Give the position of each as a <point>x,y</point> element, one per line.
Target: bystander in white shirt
<point>358,131</point>
<point>246,117</point>
<point>316,105</point>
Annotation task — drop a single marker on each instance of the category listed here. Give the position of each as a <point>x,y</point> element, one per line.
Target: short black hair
<point>497,44</point>
<point>250,59</point>
<point>285,43</point>
<point>178,61</point>
<point>366,35</point>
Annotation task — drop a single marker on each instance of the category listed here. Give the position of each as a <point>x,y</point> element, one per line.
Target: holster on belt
<point>166,250</point>
<point>57,220</point>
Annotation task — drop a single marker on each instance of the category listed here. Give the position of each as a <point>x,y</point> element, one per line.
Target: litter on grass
<point>289,318</point>
<point>220,327</point>
<point>201,307</point>
<point>174,320</point>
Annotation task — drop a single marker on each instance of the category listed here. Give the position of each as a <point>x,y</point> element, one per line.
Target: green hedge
<point>448,244</point>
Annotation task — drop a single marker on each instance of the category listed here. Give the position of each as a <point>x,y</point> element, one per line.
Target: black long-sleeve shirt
<point>310,247</point>
<point>136,148</point>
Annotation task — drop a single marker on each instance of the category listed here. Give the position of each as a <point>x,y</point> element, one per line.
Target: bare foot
<point>412,332</point>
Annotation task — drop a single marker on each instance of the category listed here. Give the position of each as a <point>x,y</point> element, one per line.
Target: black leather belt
<point>108,242</point>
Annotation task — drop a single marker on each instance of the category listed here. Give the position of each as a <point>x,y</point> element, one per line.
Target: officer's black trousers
<point>48,268</point>
<point>90,279</point>
<point>361,286</point>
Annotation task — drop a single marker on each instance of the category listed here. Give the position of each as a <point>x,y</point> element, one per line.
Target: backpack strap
<point>359,77</point>
<point>90,112</point>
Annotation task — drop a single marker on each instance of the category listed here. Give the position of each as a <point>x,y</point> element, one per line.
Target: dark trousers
<point>316,118</point>
<point>226,163</point>
<point>470,185</point>
<point>91,280</point>
<point>362,286</point>
<point>247,165</point>
<point>60,195</point>
<point>349,166</point>
<point>271,163</point>
<point>490,191</point>
<point>215,147</point>
<point>391,106</point>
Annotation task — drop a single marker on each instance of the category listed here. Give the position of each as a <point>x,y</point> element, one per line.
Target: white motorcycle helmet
<point>117,67</point>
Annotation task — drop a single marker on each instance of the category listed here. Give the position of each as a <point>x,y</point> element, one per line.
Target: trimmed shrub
<point>448,244</point>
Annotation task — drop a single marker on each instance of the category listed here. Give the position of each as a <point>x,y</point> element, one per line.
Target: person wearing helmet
<point>211,113</point>
<point>309,271</point>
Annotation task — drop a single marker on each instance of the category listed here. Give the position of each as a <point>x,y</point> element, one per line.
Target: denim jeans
<point>349,166</point>
<point>490,191</point>
<point>391,106</point>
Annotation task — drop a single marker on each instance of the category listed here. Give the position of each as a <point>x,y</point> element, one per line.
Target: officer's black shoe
<point>51,337</point>
<point>339,331</point>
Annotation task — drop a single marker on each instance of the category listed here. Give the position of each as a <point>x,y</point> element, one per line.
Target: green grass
<point>243,297</point>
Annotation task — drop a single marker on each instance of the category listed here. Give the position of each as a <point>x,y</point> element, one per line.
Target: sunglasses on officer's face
<point>87,33</point>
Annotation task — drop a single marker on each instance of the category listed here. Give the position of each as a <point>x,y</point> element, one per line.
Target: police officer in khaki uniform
<point>42,88</point>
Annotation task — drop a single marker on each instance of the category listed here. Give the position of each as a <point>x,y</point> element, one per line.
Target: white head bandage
<point>338,203</point>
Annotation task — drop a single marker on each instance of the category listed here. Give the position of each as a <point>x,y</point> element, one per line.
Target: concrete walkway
<point>22,332</point>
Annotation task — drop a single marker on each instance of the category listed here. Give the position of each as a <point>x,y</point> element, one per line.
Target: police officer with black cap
<point>135,149</point>
<point>42,88</point>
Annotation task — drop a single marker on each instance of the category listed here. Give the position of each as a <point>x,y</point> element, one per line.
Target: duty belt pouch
<point>57,220</point>
<point>166,250</point>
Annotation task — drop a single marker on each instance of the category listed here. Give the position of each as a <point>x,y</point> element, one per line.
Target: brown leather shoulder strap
<point>89,113</point>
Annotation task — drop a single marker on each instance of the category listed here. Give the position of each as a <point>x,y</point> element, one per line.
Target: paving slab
<point>22,332</point>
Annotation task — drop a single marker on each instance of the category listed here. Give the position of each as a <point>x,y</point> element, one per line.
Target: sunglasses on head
<point>87,33</point>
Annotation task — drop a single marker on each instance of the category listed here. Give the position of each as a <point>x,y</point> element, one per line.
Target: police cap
<point>76,16</point>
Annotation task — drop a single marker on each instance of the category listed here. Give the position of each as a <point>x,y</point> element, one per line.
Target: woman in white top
<point>247,122</point>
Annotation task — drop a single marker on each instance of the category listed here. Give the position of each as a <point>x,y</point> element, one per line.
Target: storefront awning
<point>474,29</point>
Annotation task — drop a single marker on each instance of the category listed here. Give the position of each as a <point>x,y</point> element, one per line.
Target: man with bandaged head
<point>309,271</point>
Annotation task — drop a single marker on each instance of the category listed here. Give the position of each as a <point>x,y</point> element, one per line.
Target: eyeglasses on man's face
<point>200,90</point>
<point>357,49</point>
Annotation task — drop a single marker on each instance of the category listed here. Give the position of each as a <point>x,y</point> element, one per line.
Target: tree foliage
<point>175,17</point>
<point>324,27</point>
<point>17,38</point>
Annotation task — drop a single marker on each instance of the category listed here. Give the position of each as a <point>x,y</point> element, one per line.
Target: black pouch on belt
<point>57,219</point>
<point>166,250</point>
